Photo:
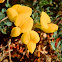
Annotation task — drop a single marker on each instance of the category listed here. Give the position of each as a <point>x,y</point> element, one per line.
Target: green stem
<point>37,25</point>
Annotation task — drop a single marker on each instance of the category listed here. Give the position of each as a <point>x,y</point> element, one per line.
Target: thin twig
<point>9,49</point>
<point>4,47</point>
<point>3,53</point>
<point>3,19</point>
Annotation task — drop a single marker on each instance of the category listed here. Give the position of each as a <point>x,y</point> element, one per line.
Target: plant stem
<point>3,19</point>
<point>37,25</point>
<point>9,49</point>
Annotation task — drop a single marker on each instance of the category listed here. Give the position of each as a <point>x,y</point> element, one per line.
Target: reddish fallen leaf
<point>57,40</point>
<point>56,44</point>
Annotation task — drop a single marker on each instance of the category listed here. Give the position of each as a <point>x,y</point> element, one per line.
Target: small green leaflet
<point>3,10</point>
<point>53,45</point>
<point>7,4</point>
<point>2,15</point>
<point>61,47</point>
<point>60,58</point>
<point>8,23</point>
<point>55,33</point>
<point>58,44</point>
<point>4,32</point>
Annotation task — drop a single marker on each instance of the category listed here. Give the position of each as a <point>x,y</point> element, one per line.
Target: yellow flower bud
<point>22,9</point>
<point>12,14</point>
<point>31,46</point>
<point>15,32</point>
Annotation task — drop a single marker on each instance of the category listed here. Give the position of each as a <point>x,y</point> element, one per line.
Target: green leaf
<point>58,55</point>
<point>59,44</point>
<point>50,1</point>
<point>57,16</point>
<point>53,45</point>
<point>7,4</point>
<point>2,24</point>
<point>8,23</point>
<point>55,33</point>
<point>2,16</point>
<point>61,3</point>
<point>60,58</point>
<point>61,47</point>
<point>3,10</point>
<point>33,16</point>
<point>4,32</point>
<point>34,3</point>
<point>48,9</point>
<point>0,28</point>
<point>59,35</point>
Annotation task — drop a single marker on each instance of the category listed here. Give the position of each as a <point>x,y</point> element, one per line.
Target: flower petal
<point>25,38</point>
<point>27,26</point>
<point>15,32</point>
<point>21,19</point>
<point>31,47</point>
<point>51,28</point>
<point>12,14</point>
<point>34,36</point>
<point>22,9</point>
<point>44,19</point>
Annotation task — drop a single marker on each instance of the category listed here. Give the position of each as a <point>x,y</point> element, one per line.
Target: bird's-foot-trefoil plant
<point>20,16</point>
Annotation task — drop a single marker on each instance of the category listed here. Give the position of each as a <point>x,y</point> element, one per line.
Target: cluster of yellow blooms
<point>46,24</point>
<point>20,16</point>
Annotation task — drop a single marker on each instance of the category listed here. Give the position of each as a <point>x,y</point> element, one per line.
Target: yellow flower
<point>20,15</point>
<point>46,24</point>
<point>25,22</point>
<point>17,9</point>
<point>1,1</point>
<point>12,14</point>
<point>22,9</point>
<point>15,32</point>
<point>30,39</point>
